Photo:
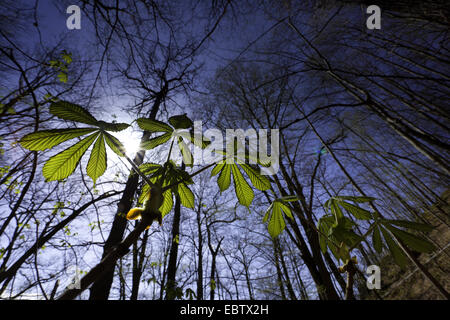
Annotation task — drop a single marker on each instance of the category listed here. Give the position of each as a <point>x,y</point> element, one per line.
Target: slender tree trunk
<point>249,283</point>
<point>300,283</point>
<point>214,252</point>
<point>233,276</point>
<point>289,287</point>
<point>171,284</point>
<point>279,273</point>
<point>213,283</point>
<point>200,255</point>
<point>138,263</point>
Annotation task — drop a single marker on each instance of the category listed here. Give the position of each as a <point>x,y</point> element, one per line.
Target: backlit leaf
<point>414,242</point>
<point>355,199</point>
<point>97,161</point>
<point>259,181</point>
<point>145,192</point>
<point>115,144</point>
<point>410,225</point>
<point>276,223</point>
<point>376,239</point>
<point>357,212</point>
<point>115,127</point>
<point>186,196</point>
<point>154,142</point>
<point>153,125</point>
<point>45,139</point>
<point>70,111</point>
<point>286,209</point>
<point>188,158</point>
<point>243,190</point>
<point>217,168</point>
<point>399,257</point>
<point>167,204</point>
<point>224,179</point>
<point>149,168</point>
<point>181,122</point>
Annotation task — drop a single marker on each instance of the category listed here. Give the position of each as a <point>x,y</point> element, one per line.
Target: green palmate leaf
<point>149,168</point>
<point>259,181</point>
<point>276,223</point>
<point>224,179</point>
<point>144,193</point>
<point>323,230</point>
<point>287,211</point>
<point>154,142</point>
<point>182,175</point>
<point>153,125</point>
<point>376,239</point>
<point>410,225</point>
<point>243,190</point>
<point>275,212</point>
<point>62,76</point>
<point>355,199</point>
<point>347,236</point>
<point>399,257</point>
<point>167,204</point>
<point>332,244</point>
<point>412,241</point>
<point>265,162</point>
<point>197,140</point>
<point>267,214</point>
<point>115,145</point>
<point>67,57</point>
<point>63,164</point>
<point>325,225</point>
<point>331,234</point>
<point>217,168</point>
<point>327,205</point>
<point>41,140</point>
<point>115,127</point>
<point>357,212</point>
<point>337,212</point>
<point>97,162</point>
<point>344,253</point>
<point>70,111</point>
<point>188,159</point>
<point>334,249</point>
<point>186,196</point>
<point>181,122</point>
<point>347,224</point>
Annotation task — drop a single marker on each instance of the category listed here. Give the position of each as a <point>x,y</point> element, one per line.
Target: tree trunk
<point>200,255</point>
<point>279,273</point>
<point>171,284</point>
<point>138,262</point>
<point>102,286</point>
